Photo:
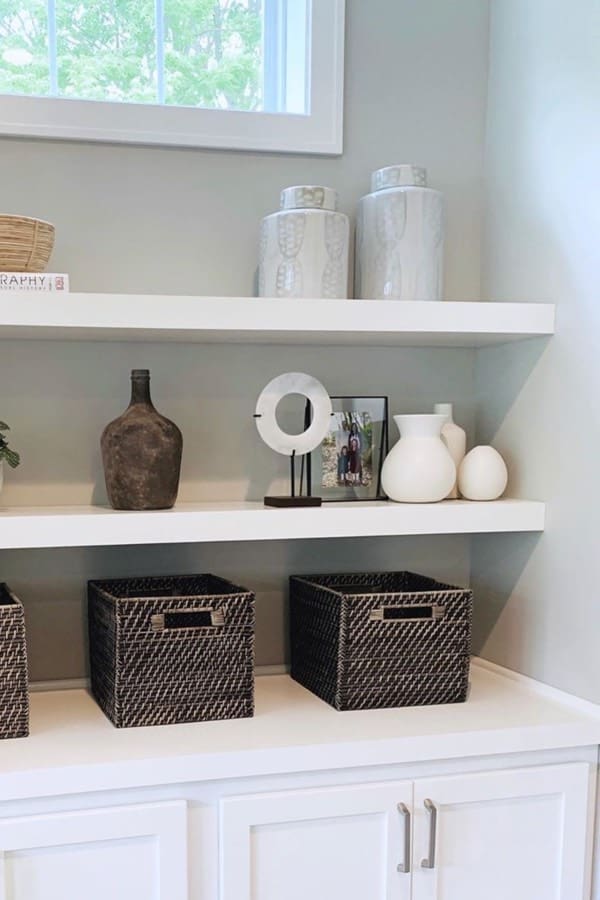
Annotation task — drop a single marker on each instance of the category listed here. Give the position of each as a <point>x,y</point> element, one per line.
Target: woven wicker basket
<point>25,244</point>
<point>374,640</point>
<point>14,699</point>
<point>171,649</point>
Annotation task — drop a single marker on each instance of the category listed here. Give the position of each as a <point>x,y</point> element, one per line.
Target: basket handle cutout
<point>426,613</point>
<point>193,618</point>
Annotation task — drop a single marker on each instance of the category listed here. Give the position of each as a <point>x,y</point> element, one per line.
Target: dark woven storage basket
<point>14,699</point>
<point>374,640</point>
<point>171,649</point>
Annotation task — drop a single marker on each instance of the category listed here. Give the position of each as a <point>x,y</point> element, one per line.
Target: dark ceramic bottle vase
<point>141,453</point>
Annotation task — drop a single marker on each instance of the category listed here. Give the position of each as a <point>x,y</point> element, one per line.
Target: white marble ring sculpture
<point>266,414</point>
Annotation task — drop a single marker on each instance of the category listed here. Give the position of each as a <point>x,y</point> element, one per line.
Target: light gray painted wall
<point>540,610</point>
<point>136,219</point>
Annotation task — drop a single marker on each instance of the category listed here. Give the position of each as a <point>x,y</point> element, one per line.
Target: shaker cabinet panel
<point>517,834</point>
<point>121,853</point>
<point>349,842</point>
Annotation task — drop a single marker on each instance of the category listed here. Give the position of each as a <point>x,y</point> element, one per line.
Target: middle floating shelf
<point>189,523</point>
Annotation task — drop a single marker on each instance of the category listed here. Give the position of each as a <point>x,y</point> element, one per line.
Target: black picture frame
<point>325,470</point>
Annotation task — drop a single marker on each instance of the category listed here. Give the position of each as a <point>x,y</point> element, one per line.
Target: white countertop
<point>73,748</point>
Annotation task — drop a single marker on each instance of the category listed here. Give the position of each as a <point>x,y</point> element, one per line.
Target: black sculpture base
<point>293,501</point>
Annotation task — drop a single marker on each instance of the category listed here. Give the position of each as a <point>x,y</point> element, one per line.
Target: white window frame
<point>319,132</point>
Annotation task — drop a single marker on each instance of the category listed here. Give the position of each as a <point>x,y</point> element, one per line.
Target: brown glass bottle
<point>141,453</point>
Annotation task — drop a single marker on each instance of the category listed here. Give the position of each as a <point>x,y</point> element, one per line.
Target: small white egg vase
<point>419,468</point>
<point>482,474</point>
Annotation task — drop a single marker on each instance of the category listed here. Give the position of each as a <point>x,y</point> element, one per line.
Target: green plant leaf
<point>12,458</point>
<point>4,426</point>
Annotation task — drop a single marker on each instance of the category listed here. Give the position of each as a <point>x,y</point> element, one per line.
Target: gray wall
<point>539,402</point>
<point>133,219</point>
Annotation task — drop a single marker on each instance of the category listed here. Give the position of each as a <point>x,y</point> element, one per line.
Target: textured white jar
<point>304,247</point>
<point>400,237</point>
<point>455,439</point>
<point>482,474</point>
<point>419,468</point>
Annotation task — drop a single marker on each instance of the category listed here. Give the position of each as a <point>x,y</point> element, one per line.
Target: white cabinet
<point>121,853</point>
<point>506,835</point>
<point>502,835</point>
<point>324,844</point>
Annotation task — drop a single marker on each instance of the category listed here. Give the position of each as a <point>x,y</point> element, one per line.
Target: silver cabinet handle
<point>405,813</point>
<point>429,861</point>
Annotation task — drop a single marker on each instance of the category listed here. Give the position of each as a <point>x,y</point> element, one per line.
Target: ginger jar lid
<point>309,196</point>
<point>404,175</point>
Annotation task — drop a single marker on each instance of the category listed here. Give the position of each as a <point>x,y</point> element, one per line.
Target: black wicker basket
<point>14,699</point>
<point>171,649</point>
<point>376,640</point>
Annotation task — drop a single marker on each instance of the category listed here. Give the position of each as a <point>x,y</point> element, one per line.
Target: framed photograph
<point>347,465</point>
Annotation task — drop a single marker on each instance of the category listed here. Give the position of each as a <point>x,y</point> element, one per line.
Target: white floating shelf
<point>93,526</point>
<point>147,317</point>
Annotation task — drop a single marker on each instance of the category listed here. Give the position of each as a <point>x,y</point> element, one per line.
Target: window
<point>239,74</point>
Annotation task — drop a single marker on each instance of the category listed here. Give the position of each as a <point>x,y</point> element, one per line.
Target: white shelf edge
<point>153,317</point>
<point>92,526</point>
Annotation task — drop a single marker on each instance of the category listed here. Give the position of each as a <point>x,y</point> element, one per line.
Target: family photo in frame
<point>347,464</point>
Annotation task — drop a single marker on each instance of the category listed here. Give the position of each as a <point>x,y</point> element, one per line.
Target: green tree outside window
<point>210,56</point>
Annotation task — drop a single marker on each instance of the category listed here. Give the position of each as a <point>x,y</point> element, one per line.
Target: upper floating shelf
<point>153,317</point>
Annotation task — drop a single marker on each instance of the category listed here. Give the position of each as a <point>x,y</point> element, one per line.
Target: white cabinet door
<point>346,843</point>
<point>114,853</point>
<point>507,835</point>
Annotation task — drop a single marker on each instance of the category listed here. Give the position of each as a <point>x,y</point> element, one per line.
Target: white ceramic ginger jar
<point>304,247</point>
<point>400,237</point>
<point>454,438</point>
<point>482,474</point>
<point>419,468</point>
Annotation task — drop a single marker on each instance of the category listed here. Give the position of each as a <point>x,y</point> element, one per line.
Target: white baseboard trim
<point>540,687</point>
<point>67,684</point>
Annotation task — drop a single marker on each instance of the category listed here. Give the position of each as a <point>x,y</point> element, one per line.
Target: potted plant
<point>11,456</point>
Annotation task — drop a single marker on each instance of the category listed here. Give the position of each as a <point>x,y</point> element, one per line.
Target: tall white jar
<point>455,439</point>
<point>400,237</point>
<point>304,247</point>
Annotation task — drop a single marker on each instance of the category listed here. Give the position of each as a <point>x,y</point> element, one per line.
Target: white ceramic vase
<point>400,237</point>
<point>419,468</point>
<point>482,474</point>
<point>304,247</point>
<point>455,439</point>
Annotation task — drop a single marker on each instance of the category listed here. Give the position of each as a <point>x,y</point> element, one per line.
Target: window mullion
<point>159,16</point>
<point>52,48</point>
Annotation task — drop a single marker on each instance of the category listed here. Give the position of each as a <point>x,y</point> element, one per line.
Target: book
<point>33,281</point>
